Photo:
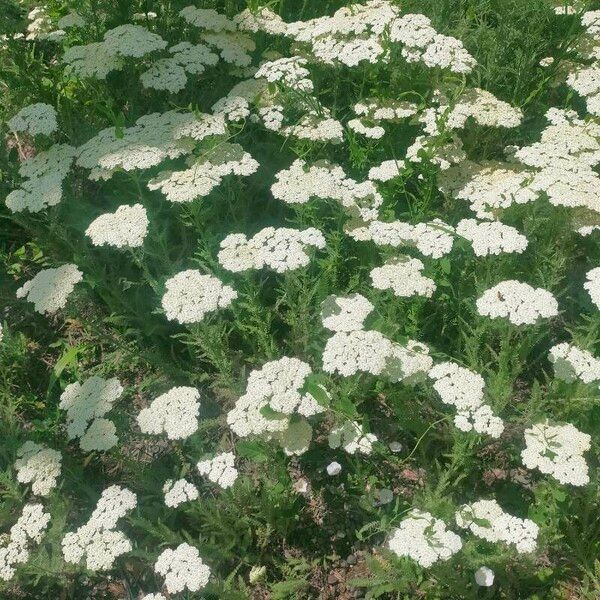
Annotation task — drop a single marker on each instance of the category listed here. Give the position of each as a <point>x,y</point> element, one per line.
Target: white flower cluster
<point>219,31</point>
<point>487,520</point>
<point>572,363</point>
<point>562,161</point>
<point>93,60</point>
<point>220,469</point>
<point>353,34</point>
<point>98,59</point>
<point>434,239</point>
<point>153,139</point>
<point>361,33</point>
<point>190,295</point>
<point>351,349</point>
<point>38,465</point>
<point>585,78</point>
<point>373,112</point>
<point>50,288</point>
<point>422,43</point>
<point>205,174</point>
<point>35,119</point>
<point>281,249</point>
<point>261,19</point>
<point>592,285</point>
<point>86,404</point>
<point>520,303</point>
<point>165,74</point>
<point>587,230</point>
<point>194,58</point>
<point>132,41</point>
<point>480,105</point>
<point>44,175</point>
<point>170,73</point>
<point>557,450</point>
<point>236,104</point>
<point>174,413</point>
<point>127,226</point>
<point>424,539</point>
<point>97,540</point>
<point>345,313</point>
<point>182,569</point>
<point>315,125</point>
<point>491,237</point>
<point>289,72</point>
<point>404,276</point>
<point>28,529</point>
<point>387,170</point>
<point>71,19</point>
<point>178,492</point>
<point>488,186</point>
<point>300,183</point>
<point>40,26</point>
<point>385,109</point>
<point>278,385</point>
<point>351,437</point>
<point>464,389</point>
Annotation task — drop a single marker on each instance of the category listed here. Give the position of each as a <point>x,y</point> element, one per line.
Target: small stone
<point>484,577</point>
<point>351,559</point>
<point>334,468</point>
<point>395,446</point>
<point>332,579</point>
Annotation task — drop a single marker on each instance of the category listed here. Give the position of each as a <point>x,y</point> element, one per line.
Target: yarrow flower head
<point>403,275</point>
<point>35,119</point>
<point>289,72</point>
<point>345,313</point>
<point>282,249</point>
<point>29,529</point>
<point>488,186</point>
<point>571,363</point>
<point>520,303</point>
<point>424,539</point>
<point>44,174</point>
<point>50,288</point>
<point>178,492</point>
<point>183,569</point>
<point>127,226</point>
<point>97,540</point>
<point>38,465</point>
<point>86,404</point>
<point>491,237</point>
<point>190,295</point>
<point>132,41</point>
<point>592,285</point>
<point>464,389</point>
<point>300,183</point>
<point>557,450</point>
<point>434,239</point>
<point>487,520</point>
<point>278,387</point>
<point>220,469</point>
<point>204,175</point>
<point>351,437</point>
<point>153,139</point>
<point>174,413</point>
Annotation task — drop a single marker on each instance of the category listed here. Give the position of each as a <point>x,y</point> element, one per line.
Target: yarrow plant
<point>299,299</point>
